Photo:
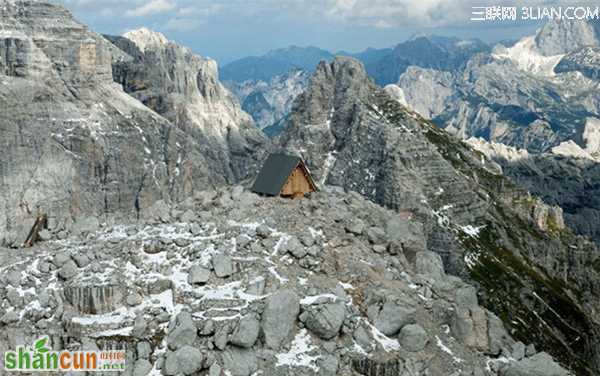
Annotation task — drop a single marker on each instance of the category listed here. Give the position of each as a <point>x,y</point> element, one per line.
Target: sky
<point>231,29</point>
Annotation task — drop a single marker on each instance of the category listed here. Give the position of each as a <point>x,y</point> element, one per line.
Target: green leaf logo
<point>40,345</point>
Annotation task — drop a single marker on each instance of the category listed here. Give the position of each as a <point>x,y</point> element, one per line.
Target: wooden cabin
<point>285,176</point>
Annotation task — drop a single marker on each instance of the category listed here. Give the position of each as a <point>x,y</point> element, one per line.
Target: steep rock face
<point>354,135</point>
<point>341,126</point>
<point>564,180</point>
<point>72,141</point>
<point>185,88</point>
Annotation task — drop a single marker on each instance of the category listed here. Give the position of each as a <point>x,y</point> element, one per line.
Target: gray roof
<point>275,173</point>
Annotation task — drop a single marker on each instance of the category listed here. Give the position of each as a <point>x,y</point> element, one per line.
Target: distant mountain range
<point>274,63</point>
<point>258,80</point>
<point>385,65</point>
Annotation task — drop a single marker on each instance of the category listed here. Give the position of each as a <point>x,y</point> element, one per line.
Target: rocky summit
<point>236,284</point>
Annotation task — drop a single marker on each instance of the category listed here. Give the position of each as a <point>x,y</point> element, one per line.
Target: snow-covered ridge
<point>527,57</point>
<point>145,38</point>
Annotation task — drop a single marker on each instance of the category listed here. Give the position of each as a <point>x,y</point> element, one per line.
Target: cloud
<point>417,13</point>
<point>377,14</point>
<point>182,24</point>
<point>201,10</point>
<point>151,8</point>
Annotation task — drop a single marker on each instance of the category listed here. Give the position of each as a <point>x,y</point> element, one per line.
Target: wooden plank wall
<point>297,183</point>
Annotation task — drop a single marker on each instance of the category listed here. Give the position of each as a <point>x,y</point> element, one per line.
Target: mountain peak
<point>145,38</point>
<point>564,36</point>
<point>344,66</point>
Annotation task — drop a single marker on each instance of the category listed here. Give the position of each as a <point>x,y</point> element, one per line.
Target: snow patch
<point>526,56</point>
<point>298,355</point>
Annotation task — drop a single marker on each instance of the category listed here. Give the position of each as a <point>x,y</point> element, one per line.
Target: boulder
<point>499,338</point>
<point>470,326</point>
<point>413,337</point>
<point>182,331</point>
<point>140,325</point>
<point>45,235</point>
<point>198,275</point>
<point>85,225</point>
<point>239,362</point>
<point>376,235</point>
<point>223,265</point>
<point>518,350</point>
<point>158,212</point>
<point>540,364</point>
<point>324,320</point>
<point>188,216</point>
<point>61,258</point>
<point>279,316</point>
<point>296,248</point>
<point>68,270</point>
<point>14,278</point>
<point>187,360</point>
<point>144,350</point>
<point>142,367</point>
<point>9,317</point>
<point>355,227</point>
<point>263,231</point>
<point>81,260</point>
<point>429,263</point>
<point>246,332</point>
<point>390,317</point>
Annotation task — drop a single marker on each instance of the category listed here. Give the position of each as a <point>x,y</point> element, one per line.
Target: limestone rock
<point>278,319</point>
<point>413,337</point>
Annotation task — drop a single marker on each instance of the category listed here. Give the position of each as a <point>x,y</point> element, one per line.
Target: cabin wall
<point>297,183</point>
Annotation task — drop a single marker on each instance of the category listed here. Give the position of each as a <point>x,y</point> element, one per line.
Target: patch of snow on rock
<point>298,355</point>
<point>526,56</point>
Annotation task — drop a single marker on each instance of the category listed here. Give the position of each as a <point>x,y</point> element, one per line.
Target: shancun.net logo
<point>40,357</point>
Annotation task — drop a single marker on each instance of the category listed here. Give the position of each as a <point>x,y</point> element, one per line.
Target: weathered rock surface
<point>483,226</point>
<point>184,88</point>
<point>279,318</point>
<point>76,146</point>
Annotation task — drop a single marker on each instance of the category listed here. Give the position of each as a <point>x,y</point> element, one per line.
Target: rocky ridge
<point>352,134</point>
<point>324,285</point>
<point>567,181</point>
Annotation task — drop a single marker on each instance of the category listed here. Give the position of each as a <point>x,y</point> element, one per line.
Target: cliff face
<point>486,228</point>
<point>185,88</point>
<point>74,143</point>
